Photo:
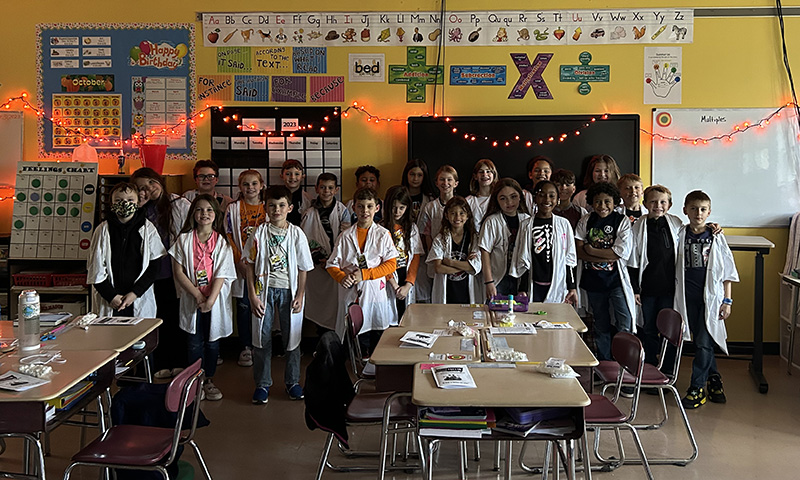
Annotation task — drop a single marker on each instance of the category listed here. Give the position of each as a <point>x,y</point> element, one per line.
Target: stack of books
<point>461,422</point>
<point>72,395</point>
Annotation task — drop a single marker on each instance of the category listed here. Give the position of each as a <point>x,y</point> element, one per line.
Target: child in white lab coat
<point>124,260</point>
<point>484,176</point>
<point>455,256</point>
<point>202,262</point>
<point>409,248</point>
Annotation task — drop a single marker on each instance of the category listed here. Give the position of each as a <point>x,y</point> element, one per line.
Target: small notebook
<point>453,376</point>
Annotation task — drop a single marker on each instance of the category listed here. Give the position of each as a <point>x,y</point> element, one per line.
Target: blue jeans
<point>604,331</point>
<point>649,332</point>
<point>244,322</point>
<point>704,363</point>
<point>200,347</point>
<point>278,300</point>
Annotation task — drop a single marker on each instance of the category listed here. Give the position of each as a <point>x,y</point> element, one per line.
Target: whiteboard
<point>753,180</point>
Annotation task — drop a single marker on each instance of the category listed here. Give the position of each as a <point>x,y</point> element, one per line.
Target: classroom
<point>704,103</point>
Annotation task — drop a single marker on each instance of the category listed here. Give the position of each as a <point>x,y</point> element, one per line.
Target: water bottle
<point>28,329</point>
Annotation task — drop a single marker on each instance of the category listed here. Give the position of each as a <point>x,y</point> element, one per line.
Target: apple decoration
<point>213,36</point>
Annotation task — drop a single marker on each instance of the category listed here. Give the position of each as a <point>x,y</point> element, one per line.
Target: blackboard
<point>753,180</point>
<point>433,140</point>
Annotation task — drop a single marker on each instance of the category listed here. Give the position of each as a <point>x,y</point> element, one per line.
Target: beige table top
<point>389,352</point>
<point>429,315</point>
<point>563,343</point>
<point>501,387</point>
<point>109,337</point>
<point>554,313</point>
<point>79,364</point>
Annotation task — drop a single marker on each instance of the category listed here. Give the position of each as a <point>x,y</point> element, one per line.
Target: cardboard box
<point>75,308</point>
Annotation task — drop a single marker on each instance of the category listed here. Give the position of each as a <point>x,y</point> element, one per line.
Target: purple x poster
<point>530,76</point>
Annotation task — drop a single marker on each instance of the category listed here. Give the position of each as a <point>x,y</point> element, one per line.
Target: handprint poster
<point>662,75</point>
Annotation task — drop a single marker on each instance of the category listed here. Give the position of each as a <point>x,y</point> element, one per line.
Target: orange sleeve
<point>337,273</point>
<point>411,273</point>
<point>380,271</point>
<point>237,254</point>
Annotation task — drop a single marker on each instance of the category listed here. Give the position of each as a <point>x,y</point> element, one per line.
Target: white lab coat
<point>413,247</point>
<point>478,206</point>
<point>430,223</point>
<point>441,249</point>
<point>563,255</point>
<point>638,258</point>
<point>721,268</point>
<point>374,299</point>
<point>180,211</point>
<point>221,313</point>
<point>298,256</point>
<point>494,238</point>
<point>99,268</point>
<point>621,209</point>
<point>623,245</point>
<point>528,197</point>
<point>322,310</point>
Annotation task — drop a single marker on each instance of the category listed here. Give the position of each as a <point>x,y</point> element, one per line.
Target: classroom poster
<point>454,28</point>
<point>662,75</point>
<point>214,88</point>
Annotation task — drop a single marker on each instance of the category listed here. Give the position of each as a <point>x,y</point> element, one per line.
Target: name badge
<point>362,261</point>
<point>202,278</point>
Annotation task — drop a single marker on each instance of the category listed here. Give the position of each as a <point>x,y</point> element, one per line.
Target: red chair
<point>670,326</point>
<point>604,413</point>
<point>136,447</point>
<point>355,320</point>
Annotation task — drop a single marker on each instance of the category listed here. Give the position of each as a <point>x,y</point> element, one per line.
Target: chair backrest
<point>628,351</point>
<point>184,390</point>
<point>670,325</point>
<point>355,320</point>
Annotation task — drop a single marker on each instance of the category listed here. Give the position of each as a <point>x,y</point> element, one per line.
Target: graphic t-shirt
<point>458,283</point>
<point>696,248</point>
<point>542,250</point>
<point>416,206</point>
<point>601,233</point>
<point>401,245</point>
<point>278,256</point>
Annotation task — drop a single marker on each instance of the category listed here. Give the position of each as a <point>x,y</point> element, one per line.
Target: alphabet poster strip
<point>465,28</point>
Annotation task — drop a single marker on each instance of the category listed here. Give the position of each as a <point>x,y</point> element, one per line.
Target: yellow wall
<point>732,63</point>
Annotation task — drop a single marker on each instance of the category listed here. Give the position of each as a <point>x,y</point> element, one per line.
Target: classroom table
<point>24,412</point>
<point>394,364</point>
<point>424,315</point>
<point>546,343</point>
<point>110,337</point>
<point>530,389</point>
<point>761,246</point>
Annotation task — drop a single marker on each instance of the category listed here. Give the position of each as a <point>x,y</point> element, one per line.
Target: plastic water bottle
<point>28,329</point>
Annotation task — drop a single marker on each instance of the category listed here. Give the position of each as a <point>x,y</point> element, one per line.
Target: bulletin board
<point>109,81</point>
<point>433,140</point>
<point>262,138</point>
<point>753,179</point>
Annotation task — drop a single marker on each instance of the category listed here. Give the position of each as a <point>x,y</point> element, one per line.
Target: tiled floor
<point>752,436</point>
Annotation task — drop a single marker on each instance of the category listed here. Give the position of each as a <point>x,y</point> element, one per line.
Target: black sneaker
<point>715,391</point>
<point>694,398</point>
<point>627,392</point>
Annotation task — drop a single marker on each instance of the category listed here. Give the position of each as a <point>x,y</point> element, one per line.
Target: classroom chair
<point>328,386</point>
<point>604,413</point>
<point>670,325</point>
<point>136,447</point>
<point>362,369</point>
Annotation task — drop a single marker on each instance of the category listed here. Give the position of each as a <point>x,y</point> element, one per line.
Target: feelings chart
<point>54,210</point>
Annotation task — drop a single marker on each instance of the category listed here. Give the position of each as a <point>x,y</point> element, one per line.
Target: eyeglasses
<point>210,176</point>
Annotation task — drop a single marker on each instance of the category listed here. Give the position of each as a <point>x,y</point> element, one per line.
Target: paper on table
<point>19,382</point>
<point>420,339</point>
<point>453,376</point>
<point>116,320</point>
<point>519,329</point>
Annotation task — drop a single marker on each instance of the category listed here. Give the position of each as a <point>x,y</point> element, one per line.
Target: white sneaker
<point>219,360</point>
<point>246,357</point>
<point>212,392</point>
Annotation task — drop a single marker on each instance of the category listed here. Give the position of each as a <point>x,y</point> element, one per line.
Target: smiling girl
<point>455,256</point>
<point>484,176</point>
<point>602,168</point>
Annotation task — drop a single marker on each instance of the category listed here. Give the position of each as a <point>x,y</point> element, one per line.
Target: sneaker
<point>694,398</point>
<point>261,396</point>
<point>627,392</point>
<point>246,357</point>
<point>163,373</point>
<point>295,392</point>
<point>715,391</point>
<point>211,391</point>
<point>219,360</point>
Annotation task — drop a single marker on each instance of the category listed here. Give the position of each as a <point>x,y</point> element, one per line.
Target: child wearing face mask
<point>124,259</point>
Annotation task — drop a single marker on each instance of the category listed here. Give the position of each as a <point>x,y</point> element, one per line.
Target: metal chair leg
<point>324,459</point>
<point>200,459</point>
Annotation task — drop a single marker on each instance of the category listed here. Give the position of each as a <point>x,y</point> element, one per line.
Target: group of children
<point>600,250</point>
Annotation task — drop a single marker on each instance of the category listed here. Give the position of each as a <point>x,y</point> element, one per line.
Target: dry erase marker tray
<point>500,303</point>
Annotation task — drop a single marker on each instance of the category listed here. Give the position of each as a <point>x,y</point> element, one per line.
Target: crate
<point>33,279</point>
<point>69,279</point>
